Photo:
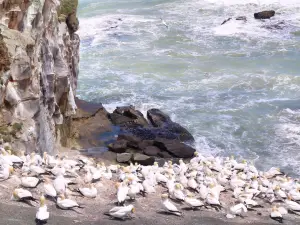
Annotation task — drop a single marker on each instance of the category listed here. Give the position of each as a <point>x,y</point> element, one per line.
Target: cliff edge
<point>39,56</point>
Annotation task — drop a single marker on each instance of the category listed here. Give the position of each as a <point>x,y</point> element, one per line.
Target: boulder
<point>168,127</point>
<point>175,148</point>
<point>151,151</point>
<point>72,22</point>
<point>264,14</point>
<point>119,146</point>
<point>143,159</point>
<point>124,157</point>
<point>128,116</point>
<point>164,154</point>
<point>145,143</point>
<point>132,141</point>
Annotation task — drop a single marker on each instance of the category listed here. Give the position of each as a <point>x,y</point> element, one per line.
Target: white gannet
<point>64,203</point>
<point>192,183</point>
<point>203,191</point>
<point>276,215</point>
<point>30,182</point>
<point>169,206</point>
<point>49,189</point>
<point>60,184</point>
<point>89,192</point>
<point>238,210</point>
<point>291,205</point>
<point>42,214</point>
<point>122,191</point>
<point>5,171</point>
<point>148,187</point>
<point>20,194</point>
<point>192,202</point>
<point>177,193</point>
<point>121,212</point>
<point>213,201</point>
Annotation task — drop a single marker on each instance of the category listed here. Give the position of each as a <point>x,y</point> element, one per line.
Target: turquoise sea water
<point>236,87</point>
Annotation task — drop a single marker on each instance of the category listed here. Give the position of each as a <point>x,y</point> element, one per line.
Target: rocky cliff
<point>39,56</point>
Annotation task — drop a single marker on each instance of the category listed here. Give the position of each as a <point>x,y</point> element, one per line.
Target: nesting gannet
<point>295,194</point>
<point>279,193</point>
<point>160,178</point>
<point>60,184</point>
<point>272,172</point>
<point>291,205</point>
<point>177,193</point>
<point>123,212</point>
<point>213,201</point>
<point>88,176</point>
<point>148,186</point>
<point>276,215</point>
<point>122,191</point>
<point>20,194</point>
<point>30,182</point>
<point>238,210</point>
<point>5,171</point>
<point>42,214</point>
<point>192,202</point>
<point>250,203</point>
<point>49,189</point>
<point>169,206</point>
<point>89,192</point>
<point>192,183</point>
<point>64,203</point>
<point>203,191</point>
<point>108,174</point>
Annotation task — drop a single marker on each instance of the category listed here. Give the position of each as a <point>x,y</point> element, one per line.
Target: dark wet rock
<point>175,148</point>
<point>151,151</point>
<point>124,157</point>
<point>143,159</point>
<point>145,143</point>
<point>164,154</point>
<point>132,141</point>
<point>119,146</point>
<point>168,127</point>
<point>264,14</point>
<point>225,21</point>
<point>72,22</point>
<point>244,18</point>
<point>128,116</point>
<point>152,133</point>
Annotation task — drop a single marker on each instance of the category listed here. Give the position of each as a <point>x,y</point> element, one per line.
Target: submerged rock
<point>119,146</point>
<point>264,14</point>
<point>225,21</point>
<point>244,18</point>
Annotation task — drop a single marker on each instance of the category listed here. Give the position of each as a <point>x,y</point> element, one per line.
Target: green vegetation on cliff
<point>67,7</point>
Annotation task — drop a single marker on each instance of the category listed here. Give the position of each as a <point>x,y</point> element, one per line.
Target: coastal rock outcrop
<point>39,56</point>
<point>264,14</point>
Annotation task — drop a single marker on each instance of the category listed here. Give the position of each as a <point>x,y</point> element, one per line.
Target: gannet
<point>177,193</point>
<point>160,178</point>
<point>42,214</point>
<point>108,174</point>
<point>203,191</point>
<point>49,189</point>
<point>295,194</point>
<point>273,172</point>
<point>5,171</point>
<point>20,194</point>
<point>60,184</point>
<point>169,206</point>
<point>148,187</point>
<point>122,212</point>
<point>276,215</point>
<point>193,202</point>
<point>89,192</point>
<point>279,193</point>
<point>30,182</point>
<point>213,201</point>
<point>192,183</point>
<point>238,210</point>
<point>64,203</point>
<point>291,205</point>
<point>183,167</point>
<point>88,176</point>
<point>122,191</point>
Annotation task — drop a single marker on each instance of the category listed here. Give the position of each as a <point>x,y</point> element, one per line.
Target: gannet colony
<point>194,185</point>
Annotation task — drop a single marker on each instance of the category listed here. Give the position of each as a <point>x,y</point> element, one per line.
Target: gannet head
<point>133,210</point>
<point>164,196</point>
<point>62,196</point>
<point>177,186</point>
<point>277,188</point>
<point>15,194</point>
<point>42,200</point>
<point>117,185</point>
<point>45,155</point>
<point>196,154</point>
<point>9,151</point>
<point>180,161</point>
<point>289,197</point>
<point>11,170</point>
<point>170,163</point>
<point>232,157</point>
<point>244,161</point>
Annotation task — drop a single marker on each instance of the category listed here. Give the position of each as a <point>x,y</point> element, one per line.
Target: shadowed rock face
<point>38,71</point>
<point>264,14</point>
